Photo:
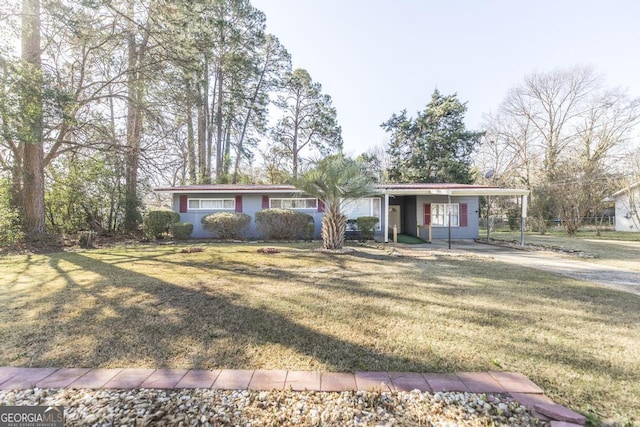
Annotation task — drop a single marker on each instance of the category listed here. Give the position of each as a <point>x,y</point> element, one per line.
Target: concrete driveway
<point>551,262</point>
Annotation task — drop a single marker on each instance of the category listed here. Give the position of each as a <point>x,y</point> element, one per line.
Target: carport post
<point>386,217</point>
<point>449,219</point>
<point>523,215</point>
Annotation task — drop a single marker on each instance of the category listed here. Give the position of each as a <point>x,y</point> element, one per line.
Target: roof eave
<point>460,192</point>
<point>227,191</point>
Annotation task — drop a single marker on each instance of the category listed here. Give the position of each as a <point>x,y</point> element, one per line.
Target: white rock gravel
<point>207,407</point>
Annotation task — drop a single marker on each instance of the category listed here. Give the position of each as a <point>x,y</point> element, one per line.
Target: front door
<point>395,217</point>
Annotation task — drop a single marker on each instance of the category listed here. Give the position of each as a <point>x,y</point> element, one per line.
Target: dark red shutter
<point>427,214</point>
<point>463,215</point>
<point>183,204</point>
<point>238,203</point>
<point>265,202</point>
<point>320,206</point>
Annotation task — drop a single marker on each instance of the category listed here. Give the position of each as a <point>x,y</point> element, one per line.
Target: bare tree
<point>548,103</point>
<point>560,134</point>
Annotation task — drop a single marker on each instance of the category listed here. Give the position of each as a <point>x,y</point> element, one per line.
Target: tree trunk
<point>191,146</point>
<point>32,122</point>
<point>294,152</point>
<point>202,136</point>
<point>334,226</point>
<point>192,177</point>
<point>219,126</point>
<point>135,97</point>
<point>134,122</point>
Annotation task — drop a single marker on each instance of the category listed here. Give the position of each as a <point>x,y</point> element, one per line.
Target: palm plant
<point>335,181</point>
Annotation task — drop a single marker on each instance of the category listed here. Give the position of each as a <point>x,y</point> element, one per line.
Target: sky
<point>378,57</point>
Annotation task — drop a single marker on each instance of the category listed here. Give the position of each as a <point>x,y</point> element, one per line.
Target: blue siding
<point>251,203</point>
<point>471,231</point>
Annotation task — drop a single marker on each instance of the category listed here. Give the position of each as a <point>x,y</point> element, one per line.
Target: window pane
<point>375,210</point>
<point>293,203</point>
<point>209,204</point>
<point>441,213</point>
<point>356,208</point>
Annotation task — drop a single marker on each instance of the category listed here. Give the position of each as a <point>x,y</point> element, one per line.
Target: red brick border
<point>518,386</point>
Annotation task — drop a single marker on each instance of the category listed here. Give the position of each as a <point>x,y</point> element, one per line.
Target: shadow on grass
<point>228,311</point>
<point>134,319</point>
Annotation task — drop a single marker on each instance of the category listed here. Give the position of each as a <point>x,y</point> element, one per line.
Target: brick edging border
<point>518,386</point>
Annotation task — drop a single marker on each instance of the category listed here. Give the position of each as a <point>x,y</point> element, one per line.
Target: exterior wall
<point>627,216</point>
<point>251,203</point>
<point>471,231</point>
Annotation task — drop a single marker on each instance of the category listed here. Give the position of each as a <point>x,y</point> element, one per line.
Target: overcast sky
<point>377,57</point>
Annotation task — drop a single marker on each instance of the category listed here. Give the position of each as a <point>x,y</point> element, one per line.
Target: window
<point>212,204</point>
<point>362,207</point>
<point>294,203</point>
<point>440,214</point>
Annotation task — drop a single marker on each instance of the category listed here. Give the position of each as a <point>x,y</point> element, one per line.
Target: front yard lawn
<point>230,306</point>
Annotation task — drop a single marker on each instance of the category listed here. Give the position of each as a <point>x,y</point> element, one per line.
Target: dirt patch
<point>533,247</point>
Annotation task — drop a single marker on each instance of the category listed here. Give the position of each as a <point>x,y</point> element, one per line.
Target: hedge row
<point>273,224</point>
<point>227,225</point>
<point>284,224</point>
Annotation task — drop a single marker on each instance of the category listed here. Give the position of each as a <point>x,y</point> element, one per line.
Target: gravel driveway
<point>566,265</point>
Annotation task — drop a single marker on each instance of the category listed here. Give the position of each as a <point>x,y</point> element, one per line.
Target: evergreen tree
<point>308,120</point>
<point>435,146</point>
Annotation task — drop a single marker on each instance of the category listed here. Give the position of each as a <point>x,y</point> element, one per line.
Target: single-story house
<point>424,210</point>
<point>627,206</point>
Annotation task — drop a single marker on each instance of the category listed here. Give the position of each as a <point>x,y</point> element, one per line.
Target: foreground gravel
<point>202,407</point>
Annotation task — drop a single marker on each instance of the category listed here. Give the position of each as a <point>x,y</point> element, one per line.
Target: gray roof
<point>390,189</point>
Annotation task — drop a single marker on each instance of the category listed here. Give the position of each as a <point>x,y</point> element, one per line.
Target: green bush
<point>10,231</point>
<point>309,228</point>
<point>227,225</point>
<point>513,217</point>
<point>86,238</point>
<point>158,222</point>
<point>285,224</point>
<point>367,226</point>
<point>181,230</point>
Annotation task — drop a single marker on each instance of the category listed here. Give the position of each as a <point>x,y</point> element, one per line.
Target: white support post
<point>523,215</point>
<point>386,217</point>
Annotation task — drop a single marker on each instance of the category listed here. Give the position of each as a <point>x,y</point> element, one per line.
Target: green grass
<point>410,240</point>
<point>231,307</point>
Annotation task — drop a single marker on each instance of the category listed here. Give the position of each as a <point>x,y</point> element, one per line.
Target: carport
<point>441,211</point>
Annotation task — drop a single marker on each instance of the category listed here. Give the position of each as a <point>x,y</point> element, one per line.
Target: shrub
<point>309,228</point>
<point>513,218</point>
<point>158,221</point>
<point>285,224</point>
<point>227,225</point>
<point>10,231</point>
<point>86,238</point>
<point>181,230</point>
<point>367,226</point>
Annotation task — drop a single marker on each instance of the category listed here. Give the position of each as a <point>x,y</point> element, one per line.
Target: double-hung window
<point>369,206</point>
<point>293,203</point>
<point>211,204</point>
<point>442,213</point>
